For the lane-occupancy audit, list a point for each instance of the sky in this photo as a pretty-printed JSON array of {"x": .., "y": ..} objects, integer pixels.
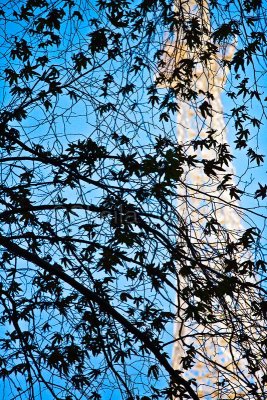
[{"x": 256, "y": 174}]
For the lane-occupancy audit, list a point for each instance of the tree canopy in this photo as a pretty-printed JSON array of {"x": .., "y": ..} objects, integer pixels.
[{"x": 97, "y": 258}]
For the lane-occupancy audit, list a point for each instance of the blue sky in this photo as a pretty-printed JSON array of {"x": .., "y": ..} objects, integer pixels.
[{"x": 84, "y": 126}]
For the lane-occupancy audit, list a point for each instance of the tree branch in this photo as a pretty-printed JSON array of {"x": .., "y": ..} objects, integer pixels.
[{"x": 105, "y": 307}]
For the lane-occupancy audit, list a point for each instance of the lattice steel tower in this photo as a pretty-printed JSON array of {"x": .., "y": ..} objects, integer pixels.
[{"x": 216, "y": 360}]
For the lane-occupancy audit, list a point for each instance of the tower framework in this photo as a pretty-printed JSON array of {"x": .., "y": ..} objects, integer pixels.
[{"x": 219, "y": 367}]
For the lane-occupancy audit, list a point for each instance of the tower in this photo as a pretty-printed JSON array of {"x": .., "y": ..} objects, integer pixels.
[{"x": 219, "y": 367}]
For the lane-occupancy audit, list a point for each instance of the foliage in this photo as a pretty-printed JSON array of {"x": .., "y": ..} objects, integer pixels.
[{"x": 91, "y": 236}]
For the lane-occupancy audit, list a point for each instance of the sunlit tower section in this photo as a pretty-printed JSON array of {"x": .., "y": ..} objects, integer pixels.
[{"x": 204, "y": 197}]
